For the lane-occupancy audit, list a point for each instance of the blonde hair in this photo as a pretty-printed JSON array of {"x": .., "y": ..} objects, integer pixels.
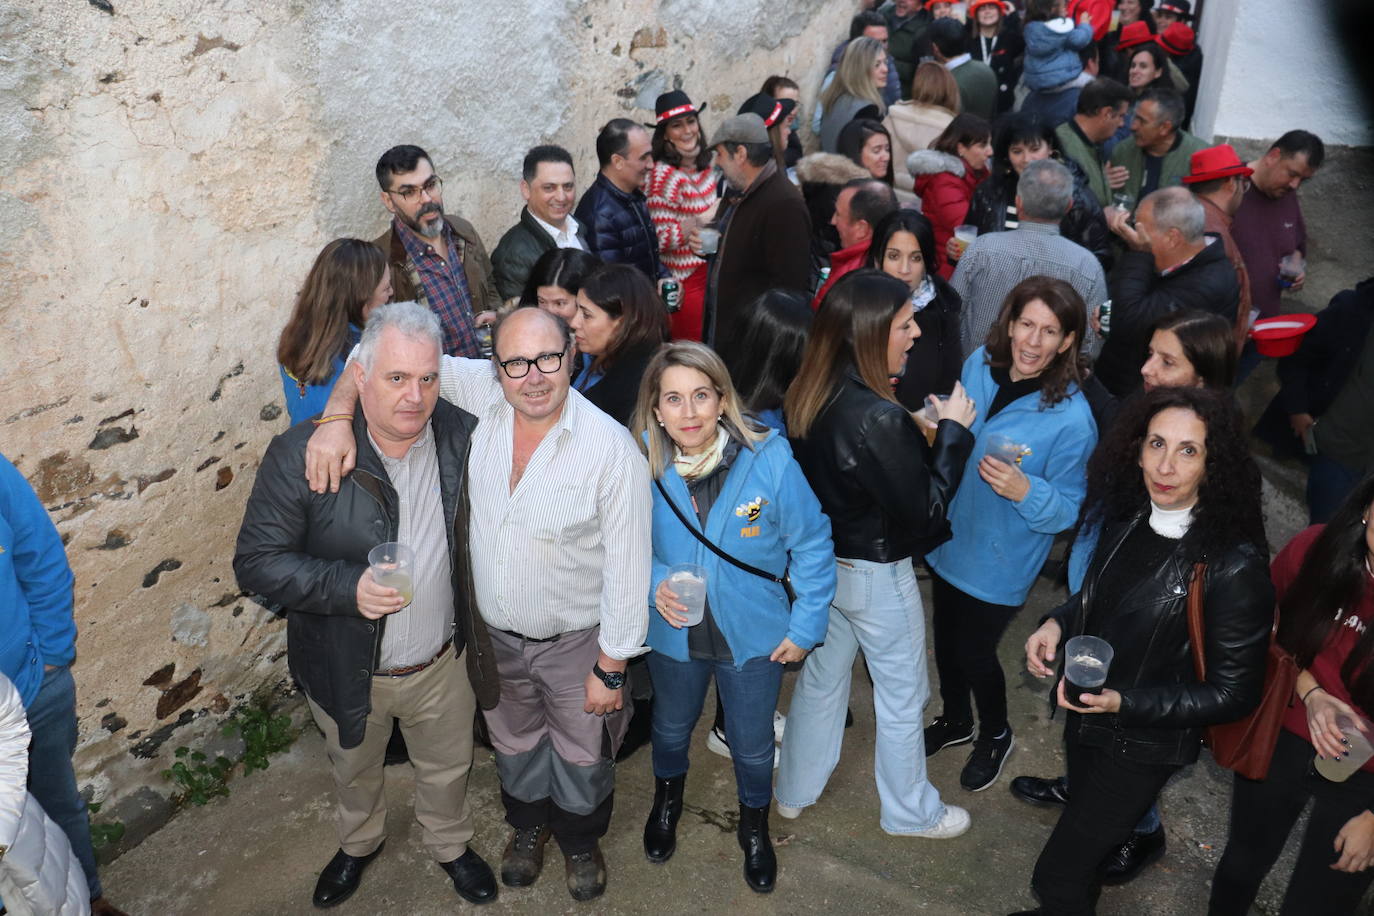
[
  {"x": 854, "y": 77},
  {"x": 652, "y": 439}
]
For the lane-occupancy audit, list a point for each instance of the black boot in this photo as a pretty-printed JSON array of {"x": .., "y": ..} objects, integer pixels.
[
  {"x": 660, "y": 832},
  {"x": 640, "y": 731},
  {"x": 760, "y": 862}
]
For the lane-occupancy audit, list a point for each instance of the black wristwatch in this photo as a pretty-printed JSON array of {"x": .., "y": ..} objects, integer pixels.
[{"x": 612, "y": 679}]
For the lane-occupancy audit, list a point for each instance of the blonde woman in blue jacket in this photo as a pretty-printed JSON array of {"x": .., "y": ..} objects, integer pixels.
[
  {"x": 736, "y": 483},
  {"x": 1005, "y": 516}
]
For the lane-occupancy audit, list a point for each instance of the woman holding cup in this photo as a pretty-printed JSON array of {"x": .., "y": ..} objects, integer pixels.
[
  {"x": 722, "y": 478},
  {"x": 1326, "y": 607},
  {"x": 1173, "y": 485},
  {"x": 1033, "y": 441}
]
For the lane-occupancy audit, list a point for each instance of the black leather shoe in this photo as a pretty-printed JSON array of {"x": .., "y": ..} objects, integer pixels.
[
  {"x": 1132, "y": 857},
  {"x": 1043, "y": 792},
  {"x": 472, "y": 877},
  {"x": 523, "y": 859},
  {"x": 760, "y": 861},
  {"x": 660, "y": 833},
  {"x": 340, "y": 878}
]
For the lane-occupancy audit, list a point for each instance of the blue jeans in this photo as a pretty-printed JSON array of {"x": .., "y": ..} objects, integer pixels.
[
  {"x": 751, "y": 695},
  {"x": 52, "y": 781},
  {"x": 877, "y": 608}
]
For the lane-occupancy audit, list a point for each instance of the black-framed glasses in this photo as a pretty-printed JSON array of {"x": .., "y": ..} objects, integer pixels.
[
  {"x": 519, "y": 367},
  {"x": 411, "y": 193}
]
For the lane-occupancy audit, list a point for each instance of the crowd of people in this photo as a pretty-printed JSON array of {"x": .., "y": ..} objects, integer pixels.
[{"x": 713, "y": 418}]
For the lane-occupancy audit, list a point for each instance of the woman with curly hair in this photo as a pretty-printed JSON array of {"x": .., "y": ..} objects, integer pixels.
[
  {"x": 1325, "y": 581},
  {"x": 1178, "y": 498}
]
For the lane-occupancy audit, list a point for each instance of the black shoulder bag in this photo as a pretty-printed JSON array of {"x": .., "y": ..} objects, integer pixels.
[{"x": 785, "y": 580}]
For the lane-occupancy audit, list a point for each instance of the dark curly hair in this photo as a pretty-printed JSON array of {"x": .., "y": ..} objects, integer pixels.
[{"x": 1228, "y": 506}]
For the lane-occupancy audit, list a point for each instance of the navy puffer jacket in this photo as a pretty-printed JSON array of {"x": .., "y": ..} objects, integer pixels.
[{"x": 618, "y": 227}]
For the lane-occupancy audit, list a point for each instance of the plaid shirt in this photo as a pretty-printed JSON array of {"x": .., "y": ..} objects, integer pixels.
[{"x": 445, "y": 287}]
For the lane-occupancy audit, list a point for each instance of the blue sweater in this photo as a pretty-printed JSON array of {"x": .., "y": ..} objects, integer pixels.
[
  {"x": 998, "y": 545},
  {"x": 766, "y": 516},
  {"x": 307, "y": 402},
  {"x": 1052, "y": 52},
  {"x": 36, "y": 623}
]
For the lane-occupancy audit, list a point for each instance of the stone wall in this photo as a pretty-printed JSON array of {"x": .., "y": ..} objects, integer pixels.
[{"x": 172, "y": 168}]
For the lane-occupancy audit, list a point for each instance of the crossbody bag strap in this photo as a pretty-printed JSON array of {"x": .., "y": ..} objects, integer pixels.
[
  {"x": 696, "y": 533},
  {"x": 1195, "y": 631}
]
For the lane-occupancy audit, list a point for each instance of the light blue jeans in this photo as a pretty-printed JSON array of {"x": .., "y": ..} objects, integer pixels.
[{"x": 877, "y": 608}]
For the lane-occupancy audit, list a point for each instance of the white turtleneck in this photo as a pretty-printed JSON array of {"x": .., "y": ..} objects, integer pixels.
[{"x": 1170, "y": 523}]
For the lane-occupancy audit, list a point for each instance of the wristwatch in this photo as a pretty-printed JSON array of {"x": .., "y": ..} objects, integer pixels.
[{"x": 612, "y": 679}]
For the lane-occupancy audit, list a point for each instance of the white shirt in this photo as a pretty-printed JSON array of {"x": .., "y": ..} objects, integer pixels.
[
  {"x": 570, "y": 547},
  {"x": 565, "y": 237},
  {"x": 957, "y": 61}
]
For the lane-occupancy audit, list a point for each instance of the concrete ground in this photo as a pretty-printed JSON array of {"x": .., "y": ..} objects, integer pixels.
[{"x": 259, "y": 850}]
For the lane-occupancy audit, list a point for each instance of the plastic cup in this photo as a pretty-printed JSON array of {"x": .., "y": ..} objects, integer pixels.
[
  {"x": 965, "y": 234},
  {"x": 928, "y": 412},
  {"x": 1005, "y": 448},
  {"x": 1086, "y": 662},
  {"x": 393, "y": 566},
  {"x": 1290, "y": 268},
  {"x": 1123, "y": 201},
  {"x": 688, "y": 582},
  {"x": 710, "y": 240},
  {"x": 1340, "y": 769}
]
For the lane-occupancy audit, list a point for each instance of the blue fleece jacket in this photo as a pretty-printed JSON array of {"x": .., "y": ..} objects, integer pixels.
[
  {"x": 998, "y": 545},
  {"x": 1052, "y": 52},
  {"x": 36, "y": 623},
  {"x": 766, "y": 516}
]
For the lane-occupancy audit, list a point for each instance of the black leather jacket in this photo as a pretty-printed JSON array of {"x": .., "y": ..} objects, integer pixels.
[
  {"x": 886, "y": 491},
  {"x": 306, "y": 551},
  {"x": 1163, "y": 705}
]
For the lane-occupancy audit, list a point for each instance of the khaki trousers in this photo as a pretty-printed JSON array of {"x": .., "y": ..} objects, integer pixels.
[{"x": 436, "y": 708}]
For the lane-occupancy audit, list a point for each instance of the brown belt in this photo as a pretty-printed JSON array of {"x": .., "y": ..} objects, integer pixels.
[{"x": 413, "y": 669}]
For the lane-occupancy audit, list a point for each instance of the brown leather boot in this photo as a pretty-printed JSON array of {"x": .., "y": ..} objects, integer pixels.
[
  {"x": 523, "y": 859},
  {"x": 586, "y": 874}
]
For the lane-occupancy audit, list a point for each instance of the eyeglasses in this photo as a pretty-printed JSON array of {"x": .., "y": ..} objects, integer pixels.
[
  {"x": 519, "y": 367},
  {"x": 411, "y": 193}
]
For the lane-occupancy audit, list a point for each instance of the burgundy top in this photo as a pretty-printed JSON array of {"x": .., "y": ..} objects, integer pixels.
[{"x": 1266, "y": 229}]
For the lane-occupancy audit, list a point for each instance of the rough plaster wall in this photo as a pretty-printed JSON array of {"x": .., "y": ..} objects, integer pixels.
[
  {"x": 1268, "y": 70},
  {"x": 172, "y": 169}
]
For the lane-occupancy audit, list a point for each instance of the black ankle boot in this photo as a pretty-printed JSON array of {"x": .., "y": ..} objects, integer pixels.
[
  {"x": 760, "y": 862},
  {"x": 660, "y": 832}
]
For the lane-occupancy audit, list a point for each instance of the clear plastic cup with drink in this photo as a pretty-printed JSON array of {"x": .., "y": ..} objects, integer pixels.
[
  {"x": 393, "y": 566},
  {"x": 1005, "y": 448},
  {"x": 965, "y": 235},
  {"x": 710, "y": 239},
  {"x": 1292, "y": 266},
  {"x": 688, "y": 582},
  {"x": 1123, "y": 201},
  {"x": 1359, "y": 750},
  {"x": 1087, "y": 659}
]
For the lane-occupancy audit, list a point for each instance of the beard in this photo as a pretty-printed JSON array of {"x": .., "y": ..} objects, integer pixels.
[{"x": 428, "y": 230}]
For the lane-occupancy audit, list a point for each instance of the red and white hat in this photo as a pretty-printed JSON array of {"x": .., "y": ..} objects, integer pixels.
[{"x": 674, "y": 104}]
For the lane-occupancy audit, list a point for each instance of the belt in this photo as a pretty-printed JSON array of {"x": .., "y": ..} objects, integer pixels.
[
  {"x": 554, "y": 638},
  {"x": 414, "y": 669}
]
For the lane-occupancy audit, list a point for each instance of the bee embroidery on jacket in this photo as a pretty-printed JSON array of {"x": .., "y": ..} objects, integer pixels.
[{"x": 751, "y": 510}]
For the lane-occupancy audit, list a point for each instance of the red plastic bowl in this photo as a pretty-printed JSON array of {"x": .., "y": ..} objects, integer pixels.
[{"x": 1280, "y": 335}]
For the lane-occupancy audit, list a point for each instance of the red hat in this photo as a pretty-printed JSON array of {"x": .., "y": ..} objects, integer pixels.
[
  {"x": 973, "y": 6},
  {"x": 1178, "y": 39},
  {"x": 1135, "y": 33},
  {"x": 1215, "y": 162}
]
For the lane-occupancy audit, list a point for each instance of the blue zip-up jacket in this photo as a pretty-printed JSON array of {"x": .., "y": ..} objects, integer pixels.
[
  {"x": 999, "y": 545},
  {"x": 1052, "y": 52},
  {"x": 766, "y": 516},
  {"x": 36, "y": 623}
]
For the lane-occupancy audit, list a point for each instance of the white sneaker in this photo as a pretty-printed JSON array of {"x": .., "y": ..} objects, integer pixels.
[
  {"x": 787, "y": 811},
  {"x": 954, "y": 822},
  {"x": 779, "y": 723},
  {"x": 716, "y": 744}
]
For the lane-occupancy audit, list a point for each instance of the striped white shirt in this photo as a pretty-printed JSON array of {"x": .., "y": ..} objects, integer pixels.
[{"x": 570, "y": 547}]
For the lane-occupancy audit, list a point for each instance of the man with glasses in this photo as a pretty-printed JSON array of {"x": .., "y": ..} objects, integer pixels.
[
  {"x": 436, "y": 259},
  {"x": 559, "y": 535},
  {"x": 1219, "y": 179}
]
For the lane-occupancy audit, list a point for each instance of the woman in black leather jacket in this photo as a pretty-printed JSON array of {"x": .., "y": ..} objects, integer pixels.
[
  {"x": 1019, "y": 139},
  {"x": 886, "y": 493},
  {"x": 1173, "y": 485}
]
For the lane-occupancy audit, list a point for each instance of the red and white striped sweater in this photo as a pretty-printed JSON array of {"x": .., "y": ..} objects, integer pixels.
[{"x": 673, "y": 194}]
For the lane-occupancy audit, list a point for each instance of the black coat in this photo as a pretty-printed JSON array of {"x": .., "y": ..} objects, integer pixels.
[
  {"x": 886, "y": 491},
  {"x": 306, "y": 552},
  {"x": 617, "y": 227},
  {"x": 522, "y": 245},
  {"x": 1164, "y": 707},
  {"x": 616, "y": 392},
  {"x": 1005, "y": 61},
  {"x": 1084, "y": 224},
  {"x": 933, "y": 363},
  {"x": 1140, "y": 297}
]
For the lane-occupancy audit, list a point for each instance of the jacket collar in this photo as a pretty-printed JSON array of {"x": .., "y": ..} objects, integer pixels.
[{"x": 609, "y": 187}]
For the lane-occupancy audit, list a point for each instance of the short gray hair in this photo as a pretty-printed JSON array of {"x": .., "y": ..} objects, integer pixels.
[
  {"x": 408, "y": 318},
  {"x": 1046, "y": 190},
  {"x": 1177, "y": 208}
]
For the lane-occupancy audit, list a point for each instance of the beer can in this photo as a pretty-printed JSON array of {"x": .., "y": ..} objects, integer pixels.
[
  {"x": 1104, "y": 317},
  {"x": 672, "y": 295}
]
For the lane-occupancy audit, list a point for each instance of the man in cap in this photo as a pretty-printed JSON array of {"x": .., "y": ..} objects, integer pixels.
[
  {"x": 1219, "y": 180},
  {"x": 549, "y": 186},
  {"x": 765, "y": 230}
]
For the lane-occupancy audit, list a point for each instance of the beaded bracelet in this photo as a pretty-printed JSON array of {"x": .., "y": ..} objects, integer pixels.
[{"x": 332, "y": 417}]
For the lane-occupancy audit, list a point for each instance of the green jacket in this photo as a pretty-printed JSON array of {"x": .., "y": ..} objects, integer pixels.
[
  {"x": 1171, "y": 171},
  {"x": 906, "y": 42},
  {"x": 977, "y": 88},
  {"x": 514, "y": 256},
  {"x": 1075, "y": 146}
]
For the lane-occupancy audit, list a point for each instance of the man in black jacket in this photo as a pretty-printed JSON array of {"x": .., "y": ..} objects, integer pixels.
[
  {"x": 549, "y": 186},
  {"x": 361, "y": 651},
  {"x": 1172, "y": 265},
  {"x": 614, "y": 211}
]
